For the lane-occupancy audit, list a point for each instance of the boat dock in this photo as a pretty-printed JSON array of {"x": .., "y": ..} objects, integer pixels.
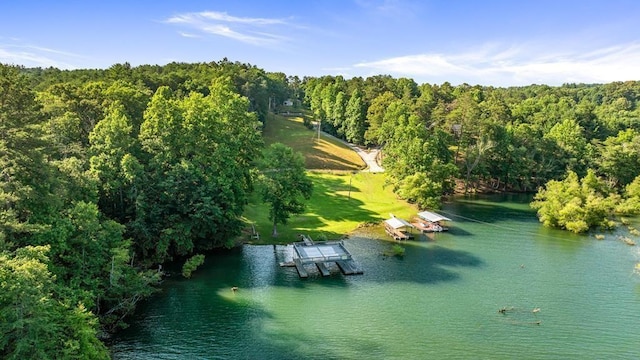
[
  {"x": 430, "y": 222},
  {"x": 398, "y": 229},
  {"x": 320, "y": 254}
]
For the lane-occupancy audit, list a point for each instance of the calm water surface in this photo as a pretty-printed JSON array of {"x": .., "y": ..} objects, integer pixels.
[{"x": 440, "y": 300}]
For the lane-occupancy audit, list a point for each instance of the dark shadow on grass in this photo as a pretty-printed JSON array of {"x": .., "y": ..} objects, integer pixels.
[
  {"x": 334, "y": 206},
  {"x": 330, "y": 162}
]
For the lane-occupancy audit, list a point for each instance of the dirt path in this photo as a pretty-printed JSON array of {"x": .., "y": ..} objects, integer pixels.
[{"x": 369, "y": 156}]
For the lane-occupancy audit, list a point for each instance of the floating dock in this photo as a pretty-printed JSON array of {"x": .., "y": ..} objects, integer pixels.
[{"x": 320, "y": 254}]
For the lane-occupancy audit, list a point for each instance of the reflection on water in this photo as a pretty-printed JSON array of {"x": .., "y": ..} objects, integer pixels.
[{"x": 440, "y": 300}]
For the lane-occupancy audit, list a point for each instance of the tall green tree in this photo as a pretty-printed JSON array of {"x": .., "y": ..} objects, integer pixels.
[
  {"x": 569, "y": 136},
  {"x": 620, "y": 157},
  {"x": 355, "y": 117},
  {"x": 284, "y": 183},
  {"x": 24, "y": 173},
  {"x": 339, "y": 114},
  {"x": 111, "y": 140},
  {"x": 375, "y": 118},
  {"x": 417, "y": 159},
  {"x": 474, "y": 154},
  {"x": 199, "y": 151}
]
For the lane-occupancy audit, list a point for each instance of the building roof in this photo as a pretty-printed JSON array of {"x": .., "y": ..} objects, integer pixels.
[
  {"x": 397, "y": 223},
  {"x": 433, "y": 217}
]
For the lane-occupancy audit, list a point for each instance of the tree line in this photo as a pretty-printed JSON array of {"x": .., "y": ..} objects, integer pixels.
[
  {"x": 104, "y": 174},
  {"x": 437, "y": 137}
]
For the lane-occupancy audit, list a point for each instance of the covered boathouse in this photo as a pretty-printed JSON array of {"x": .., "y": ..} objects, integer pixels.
[
  {"x": 430, "y": 222},
  {"x": 398, "y": 229}
]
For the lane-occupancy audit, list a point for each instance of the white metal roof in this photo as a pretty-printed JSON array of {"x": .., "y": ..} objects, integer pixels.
[
  {"x": 433, "y": 217},
  {"x": 397, "y": 223}
]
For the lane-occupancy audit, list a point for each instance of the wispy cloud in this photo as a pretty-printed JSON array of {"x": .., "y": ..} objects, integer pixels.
[
  {"x": 516, "y": 65},
  {"x": 188, "y": 35},
  {"x": 254, "y": 31},
  {"x": 36, "y": 56}
]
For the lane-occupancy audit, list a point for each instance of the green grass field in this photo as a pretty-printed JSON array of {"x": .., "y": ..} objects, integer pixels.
[
  {"x": 343, "y": 198},
  {"x": 326, "y": 154}
]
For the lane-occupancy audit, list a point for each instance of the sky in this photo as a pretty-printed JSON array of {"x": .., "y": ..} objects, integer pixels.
[{"x": 485, "y": 42}]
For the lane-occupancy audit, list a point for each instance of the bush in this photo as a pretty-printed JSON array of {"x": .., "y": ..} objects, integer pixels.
[
  {"x": 396, "y": 250},
  {"x": 191, "y": 265},
  {"x": 576, "y": 204}
]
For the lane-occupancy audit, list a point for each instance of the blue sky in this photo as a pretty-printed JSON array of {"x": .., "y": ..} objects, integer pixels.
[{"x": 490, "y": 42}]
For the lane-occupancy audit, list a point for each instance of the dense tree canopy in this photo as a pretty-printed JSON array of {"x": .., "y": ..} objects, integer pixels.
[{"x": 106, "y": 173}]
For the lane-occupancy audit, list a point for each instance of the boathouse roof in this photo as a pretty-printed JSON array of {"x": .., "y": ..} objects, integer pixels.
[
  {"x": 433, "y": 217},
  {"x": 397, "y": 223}
]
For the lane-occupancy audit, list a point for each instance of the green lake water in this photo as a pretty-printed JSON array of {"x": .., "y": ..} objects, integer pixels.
[{"x": 439, "y": 301}]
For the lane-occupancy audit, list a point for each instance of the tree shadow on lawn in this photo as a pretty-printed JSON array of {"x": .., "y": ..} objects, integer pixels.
[
  {"x": 323, "y": 160},
  {"x": 328, "y": 204}
]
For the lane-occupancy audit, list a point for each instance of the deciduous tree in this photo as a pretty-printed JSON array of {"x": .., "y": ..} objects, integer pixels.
[{"x": 284, "y": 183}]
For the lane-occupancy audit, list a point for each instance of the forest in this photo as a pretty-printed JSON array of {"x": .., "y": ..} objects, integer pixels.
[{"x": 105, "y": 174}]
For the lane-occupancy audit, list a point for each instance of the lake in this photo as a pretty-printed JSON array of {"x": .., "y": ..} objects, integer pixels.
[{"x": 563, "y": 296}]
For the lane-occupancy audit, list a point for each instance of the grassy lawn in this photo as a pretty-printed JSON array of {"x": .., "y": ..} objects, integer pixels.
[
  {"x": 326, "y": 154},
  {"x": 333, "y": 211},
  {"x": 343, "y": 198}
]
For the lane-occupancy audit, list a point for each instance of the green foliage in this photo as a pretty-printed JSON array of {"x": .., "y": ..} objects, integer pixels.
[
  {"x": 396, "y": 250},
  {"x": 620, "y": 157},
  {"x": 23, "y": 193},
  {"x": 417, "y": 160},
  {"x": 354, "y": 121},
  {"x": 197, "y": 177},
  {"x": 631, "y": 203},
  {"x": 569, "y": 136},
  {"x": 576, "y": 205},
  {"x": 87, "y": 159},
  {"x": 284, "y": 183},
  {"x": 34, "y": 323},
  {"x": 191, "y": 265}
]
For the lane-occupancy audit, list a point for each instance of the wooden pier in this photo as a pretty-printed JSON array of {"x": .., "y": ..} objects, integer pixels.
[{"x": 320, "y": 254}]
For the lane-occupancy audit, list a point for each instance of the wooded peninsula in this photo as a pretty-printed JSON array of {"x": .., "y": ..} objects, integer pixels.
[{"x": 105, "y": 174}]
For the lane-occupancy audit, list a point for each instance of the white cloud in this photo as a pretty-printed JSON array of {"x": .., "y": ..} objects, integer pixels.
[
  {"x": 189, "y": 35},
  {"x": 244, "y": 29},
  {"x": 36, "y": 56},
  {"x": 222, "y": 16},
  {"x": 516, "y": 65}
]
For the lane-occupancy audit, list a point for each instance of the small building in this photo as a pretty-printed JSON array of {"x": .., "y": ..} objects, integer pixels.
[
  {"x": 288, "y": 102},
  {"x": 398, "y": 229}
]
